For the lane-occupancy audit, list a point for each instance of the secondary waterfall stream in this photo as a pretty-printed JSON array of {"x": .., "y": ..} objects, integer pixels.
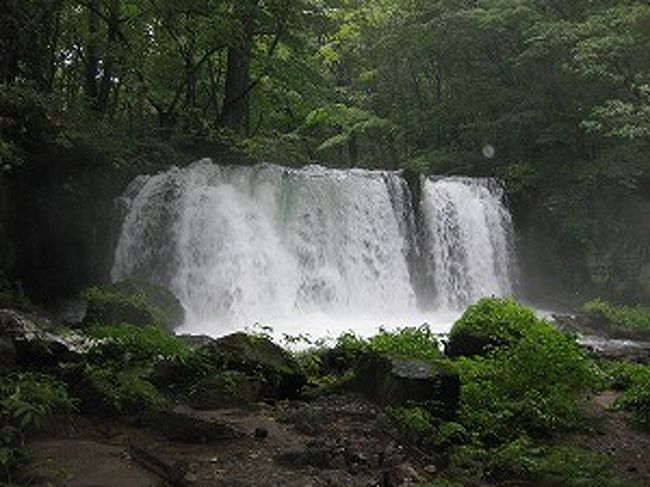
[{"x": 314, "y": 250}]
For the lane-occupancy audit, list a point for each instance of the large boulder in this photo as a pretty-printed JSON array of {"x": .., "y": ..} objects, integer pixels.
[
  {"x": 34, "y": 342},
  {"x": 134, "y": 302},
  {"x": 259, "y": 358},
  {"x": 406, "y": 382}
]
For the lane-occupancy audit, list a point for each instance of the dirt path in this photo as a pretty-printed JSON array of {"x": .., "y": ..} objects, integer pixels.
[
  {"x": 627, "y": 448},
  {"x": 335, "y": 441}
]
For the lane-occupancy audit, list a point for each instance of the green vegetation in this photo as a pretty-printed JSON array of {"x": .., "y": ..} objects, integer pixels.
[
  {"x": 519, "y": 399},
  {"x": 125, "y": 391},
  {"x": 490, "y": 323},
  {"x": 618, "y": 318},
  {"x": 412, "y": 342},
  {"x": 137, "y": 345},
  {"x": 27, "y": 402},
  {"x": 634, "y": 379},
  {"x": 93, "y": 93},
  {"x": 135, "y": 302}
]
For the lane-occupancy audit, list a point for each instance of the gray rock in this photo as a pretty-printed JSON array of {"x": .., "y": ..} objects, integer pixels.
[
  {"x": 35, "y": 341},
  {"x": 399, "y": 382}
]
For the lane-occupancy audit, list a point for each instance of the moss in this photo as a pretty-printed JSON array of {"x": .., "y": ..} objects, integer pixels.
[
  {"x": 490, "y": 323},
  {"x": 134, "y": 302},
  {"x": 635, "y": 320},
  {"x": 258, "y": 357}
]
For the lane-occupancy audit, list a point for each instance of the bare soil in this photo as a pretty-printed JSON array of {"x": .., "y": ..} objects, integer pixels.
[{"x": 334, "y": 441}]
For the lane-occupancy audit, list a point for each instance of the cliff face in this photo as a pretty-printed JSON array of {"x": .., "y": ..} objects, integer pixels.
[
  {"x": 7, "y": 250},
  {"x": 614, "y": 264},
  {"x": 619, "y": 262}
]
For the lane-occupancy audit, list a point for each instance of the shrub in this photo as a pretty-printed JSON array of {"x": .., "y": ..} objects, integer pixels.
[
  {"x": 127, "y": 391},
  {"x": 491, "y": 322},
  {"x": 625, "y": 318},
  {"x": 27, "y": 401},
  {"x": 636, "y": 397},
  {"x": 564, "y": 465},
  {"x": 415, "y": 424},
  {"x": 137, "y": 345},
  {"x": 528, "y": 387},
  {"x": 410, "y": 342}
]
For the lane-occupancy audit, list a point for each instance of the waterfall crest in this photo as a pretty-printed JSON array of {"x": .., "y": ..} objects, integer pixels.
[{"x": 268, "y": 244}]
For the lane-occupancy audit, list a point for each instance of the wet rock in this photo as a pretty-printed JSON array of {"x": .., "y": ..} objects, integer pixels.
[
  {"x": 29, "y": 342},
  {"x": 184, "y": 425},
  {"x": 468, "y": 343},
  {"x": 398, "y": 382},
  {"x": 167, "y": 373},
  {"x": 226, "y": 389},
  {"x": 134, "y": 302},
  {"x": 280, "y": 375}
]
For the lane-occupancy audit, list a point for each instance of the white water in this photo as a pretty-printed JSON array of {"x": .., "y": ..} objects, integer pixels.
[
  {"x": 469, "y": 240},
  {"x": 313, "y": 251}
]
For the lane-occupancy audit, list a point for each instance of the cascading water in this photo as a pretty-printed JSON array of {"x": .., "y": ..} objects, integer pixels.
[
  {"x": 468, "y": 240},
  {"x": 311, "y": 250}
]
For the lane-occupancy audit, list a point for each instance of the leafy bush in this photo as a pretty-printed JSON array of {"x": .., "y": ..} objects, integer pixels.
[
  {"x": 528, "y": 381},
  {"x": 636, "y": 397},
  {"x": 410, "y": 342},
  {"x": 127, "y": 391},
  {"x": 528, "y": 388},
  {"x": 564, "y": 465},
  {"x": 27, "y": 401},
  {"x": 491, "y": 322},
  {"x": 415, "y": 424},
  {"x": 137, "y": 345},
  {"x": 626, "y": 318}
]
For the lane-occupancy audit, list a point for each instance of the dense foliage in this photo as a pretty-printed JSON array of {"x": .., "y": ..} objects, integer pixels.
[
  {"x": 553, "y": 97},
  {"x": 27, "y": 401},
  {"x": 519, "y": 399}
]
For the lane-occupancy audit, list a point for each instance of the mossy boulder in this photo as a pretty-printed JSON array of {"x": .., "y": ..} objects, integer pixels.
[
  {"x": 135, "y": 302},
  {"x": 225, "y": 389},
  {"x": 490, "y": 323},
  {"x": 389, "y": 381},
  {"x": 280, "y": 374}
]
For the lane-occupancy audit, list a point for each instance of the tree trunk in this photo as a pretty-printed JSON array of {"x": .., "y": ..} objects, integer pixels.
[
  {"x": 92, "y": 58},
  {"x": 106, "y": 82},
  {"x": 235, "y": 111}
]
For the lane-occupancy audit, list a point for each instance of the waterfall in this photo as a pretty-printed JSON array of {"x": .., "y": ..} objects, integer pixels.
[
  {"x": 468, "y": 242},
  {"x": 309, "y": 247}
]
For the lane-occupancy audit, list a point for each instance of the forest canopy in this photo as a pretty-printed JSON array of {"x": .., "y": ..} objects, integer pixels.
[{"x": 551, "y": 96}]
